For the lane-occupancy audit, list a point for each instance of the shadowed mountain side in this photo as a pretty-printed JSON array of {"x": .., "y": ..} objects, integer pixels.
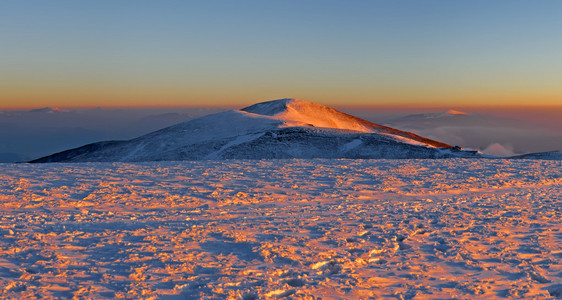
[{"x": 293, "y": 142}]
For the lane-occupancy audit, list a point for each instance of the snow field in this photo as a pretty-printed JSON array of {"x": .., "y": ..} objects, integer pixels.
[{"x": 330, "y": 229}]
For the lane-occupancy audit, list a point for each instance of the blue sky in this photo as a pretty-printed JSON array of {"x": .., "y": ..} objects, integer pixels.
[{"x": 181, "y": 53}]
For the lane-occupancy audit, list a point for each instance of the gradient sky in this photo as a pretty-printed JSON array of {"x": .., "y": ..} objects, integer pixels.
[{"x": 181, "y": 53}]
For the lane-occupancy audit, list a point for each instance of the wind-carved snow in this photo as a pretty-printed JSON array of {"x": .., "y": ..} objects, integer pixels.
[{"x": 253, "y": 229}]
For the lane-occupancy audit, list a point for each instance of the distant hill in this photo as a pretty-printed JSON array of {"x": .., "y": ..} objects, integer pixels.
[{"x": 489, "y": 133}]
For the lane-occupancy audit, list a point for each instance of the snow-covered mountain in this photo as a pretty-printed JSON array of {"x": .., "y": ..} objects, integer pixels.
[{"x": 285, "y": 128}]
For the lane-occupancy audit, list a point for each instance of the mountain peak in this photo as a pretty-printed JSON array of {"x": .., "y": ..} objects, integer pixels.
[
  {"x": 296, "y": 112},
  {"x": 42, "y": 110},
  {"x": 273, "y": 107},
  {"x": 455, "y": 112},
  {"x": 47, "y": 109}
]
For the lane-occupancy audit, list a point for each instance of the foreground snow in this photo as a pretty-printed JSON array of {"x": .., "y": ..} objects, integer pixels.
[{"x": 275, "y": 228}]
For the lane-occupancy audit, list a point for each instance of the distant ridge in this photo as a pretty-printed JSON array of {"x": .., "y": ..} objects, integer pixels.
[
  {"x": 284, "y": 128},
  {"x": 550, "y": 155}
]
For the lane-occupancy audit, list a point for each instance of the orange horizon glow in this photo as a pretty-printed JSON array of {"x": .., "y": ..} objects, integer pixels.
[
  {"x": 150, "y": 101},
  {"x": 416, "y": 106}
]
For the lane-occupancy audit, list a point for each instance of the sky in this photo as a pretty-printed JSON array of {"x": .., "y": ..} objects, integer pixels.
[{"x": 214, "y": 53}]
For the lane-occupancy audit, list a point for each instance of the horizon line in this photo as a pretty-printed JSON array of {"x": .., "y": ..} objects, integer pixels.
[{"x": 400, "y": 106}]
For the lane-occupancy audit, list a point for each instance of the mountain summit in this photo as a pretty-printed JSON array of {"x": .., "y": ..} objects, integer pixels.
[
  {"x": 285, "y": 128},
  {"x": 295, "y": 112}
]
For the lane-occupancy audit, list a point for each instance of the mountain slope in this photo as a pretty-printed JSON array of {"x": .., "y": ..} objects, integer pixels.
[{"x": 286, "y": 128}]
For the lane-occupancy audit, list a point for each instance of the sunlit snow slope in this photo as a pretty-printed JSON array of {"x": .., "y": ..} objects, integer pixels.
[{"x": 286, "y": 128}]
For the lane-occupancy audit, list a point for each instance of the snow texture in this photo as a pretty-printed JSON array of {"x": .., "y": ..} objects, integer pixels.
[{"x": 261, "y": 229}]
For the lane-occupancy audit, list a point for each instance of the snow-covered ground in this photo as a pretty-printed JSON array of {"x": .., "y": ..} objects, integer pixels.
[{"x": 274, "y": 228}]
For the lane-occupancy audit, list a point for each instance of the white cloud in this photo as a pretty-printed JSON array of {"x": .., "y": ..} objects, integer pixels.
[{"x": 499, "y": 150}]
